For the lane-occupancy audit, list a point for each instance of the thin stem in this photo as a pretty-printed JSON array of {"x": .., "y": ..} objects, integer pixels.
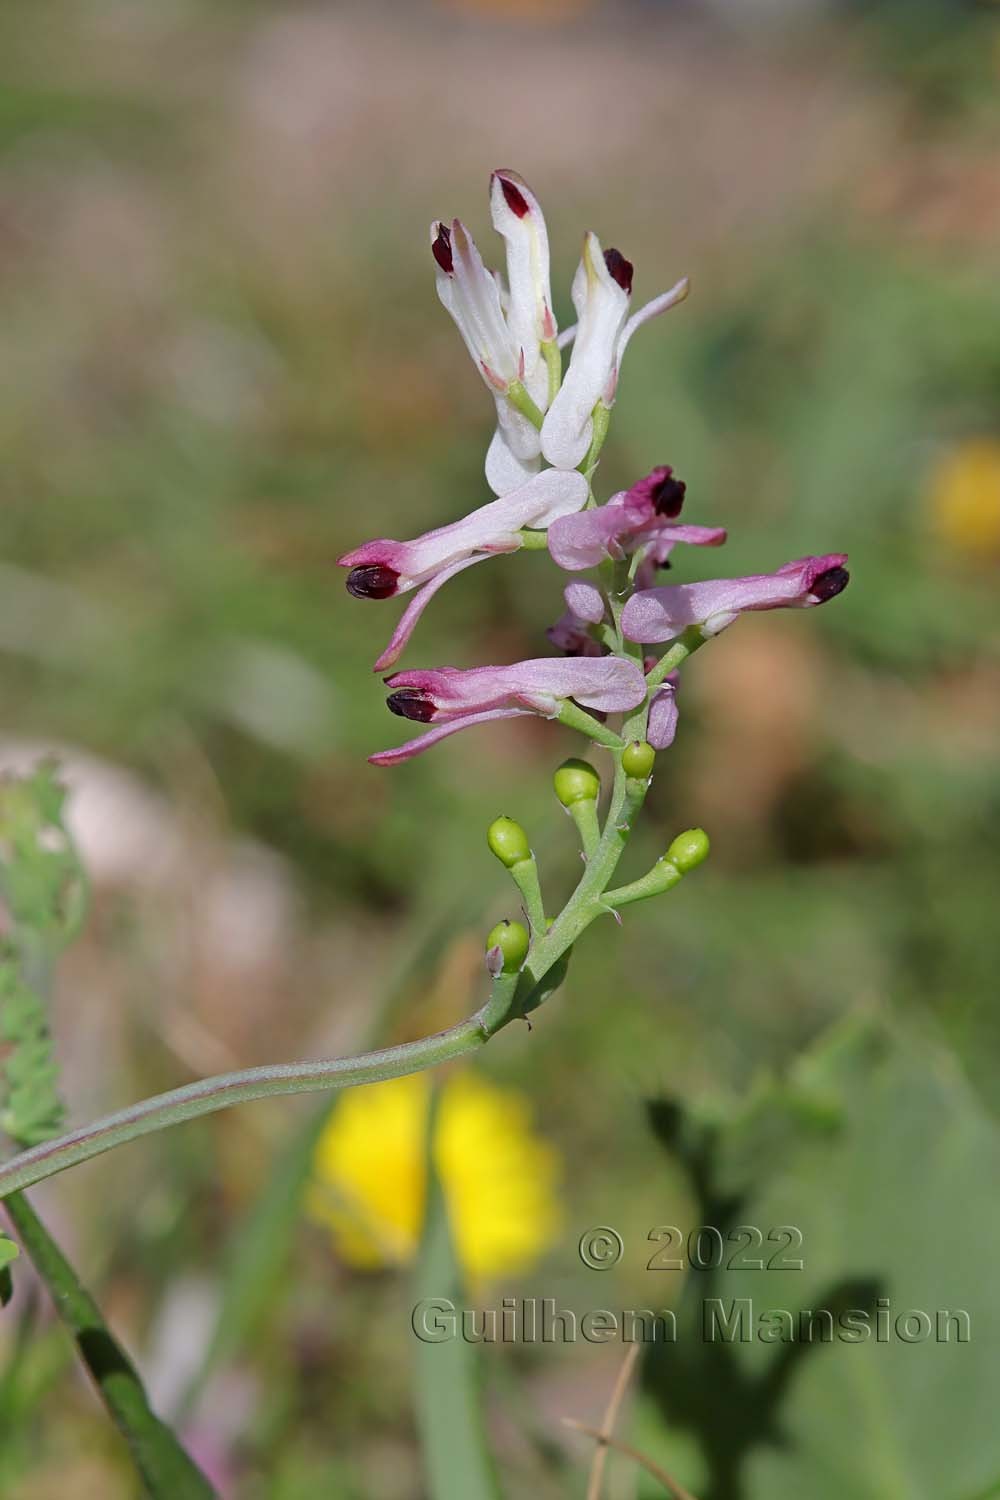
[
  {"x": 575, "y": 717},
  {"x": 167, "y": 1471},
  {"x": 499, "y": 1007},
  {"x": 519, "y": 398},
  {"x": 211, "y": 1094},
  {"x": 553, "y": 361},
  {"x": 682, "y": 648},
  {"x": 608, "y": 1423},
  {"x": 533, "y": 539},
  {"x": 525, "y": 876},
  {"x": 601, "y": 420},
  {"x": 667, "y": 1480},
  {"x": 584, "y": 815}
]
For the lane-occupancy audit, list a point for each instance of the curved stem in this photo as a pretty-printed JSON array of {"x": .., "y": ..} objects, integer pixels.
[{"x": 210, "y": 1094}]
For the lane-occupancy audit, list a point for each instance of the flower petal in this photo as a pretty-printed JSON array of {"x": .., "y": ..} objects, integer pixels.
[
  {"x": 471, "y": 295},
  {"x": 586, "y": 601},
  {"x": 505, "y": 471},
  {"x": 441, "y": 732},
  {"x": 411, "y": 614},
  {"x": 602, "y": 303},
  {"x": 518, "y": 217},
  {"x": 651, "y": 309},
  {"x": 582, "y": 541},
  {"x": 662, "y": 724},
  {"x": 661, "y": 614},
  {"x": 611, "y": 684},
  {"x": 494, "y": 527}
]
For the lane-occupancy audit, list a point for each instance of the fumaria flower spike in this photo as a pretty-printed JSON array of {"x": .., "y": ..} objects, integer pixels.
[
  {"x": 609, "y": 673},
  {"x": 452, "y": 699},
  {"x": 662, "y": 614},
  {"x": 384, "y": 568},
  {"x": 602, "y": 294}
]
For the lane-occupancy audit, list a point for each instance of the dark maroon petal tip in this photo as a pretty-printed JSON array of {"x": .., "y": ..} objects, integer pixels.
[
  {"x": 829, "y": 584},
  {"x": 516, "y": 201},
  {"x": 372, "y": 582},
  {"x": 441, "y": 249},
  {"x": 619, "y": 268},
  {"x": 411, "y": 703},
  {"x": 668, "y": 496}
]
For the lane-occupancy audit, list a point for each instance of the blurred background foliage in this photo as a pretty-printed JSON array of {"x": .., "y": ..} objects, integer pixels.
[{"x": 224, "y": 365}]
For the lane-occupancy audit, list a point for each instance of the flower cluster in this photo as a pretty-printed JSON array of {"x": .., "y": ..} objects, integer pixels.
[{"x": 551, "y": 425}]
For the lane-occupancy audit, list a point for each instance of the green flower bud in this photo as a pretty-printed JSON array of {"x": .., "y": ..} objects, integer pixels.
[
  {"x": 688, "y": 849},
  {"x": 576, "y": 781},
  {"x": 508, "y": 841},
  {"x": 638, "y": 759},
  {"x": 513, "y": 941}
]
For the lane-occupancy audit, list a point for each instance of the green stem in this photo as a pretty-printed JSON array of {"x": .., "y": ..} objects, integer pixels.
[
  {"x": 518, "y": 397},
  {"x": 601, "y": 419},
  {"x": 525, "y": 876},
  {"x": 682, "y": 648},
  {"x": 553, "y": 360},
  {"x": 211, "y": 1094},
  {"x": 584, "y": 815},
  {"x": 167, "y": 1471},
  {"x": 575, "y": 717}
]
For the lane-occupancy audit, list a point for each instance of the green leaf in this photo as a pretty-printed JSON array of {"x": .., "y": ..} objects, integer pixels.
[
  {"x": 892, "y": 1184},
  {"x": 906, "y": 1194},
  {"x": 448, "y": 1375},
  {"x": 166, "y": 1470},
  {"x": 8, "y": 1252}
]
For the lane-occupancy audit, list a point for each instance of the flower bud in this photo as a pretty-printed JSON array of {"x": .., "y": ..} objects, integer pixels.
[
  {"x": 576, "y": 781},
  {"x": 638, "y": 759},
  {"x": 688, "y": 849},
  {"x": 512, "y": 940},
  {"x": 508, "y": 841}
]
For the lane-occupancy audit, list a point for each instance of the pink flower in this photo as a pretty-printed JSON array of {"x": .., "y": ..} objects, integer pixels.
[
  {"x": 384, "y": 568},
  {"x": 452, "y": 699},
  {"x": 662, "y": 723},
  {"x": 602, "y": 294},
  {"x": 661, "y": 614},
  {"x": 584, "y": 607},
  {"x": 639, "y": 515}
]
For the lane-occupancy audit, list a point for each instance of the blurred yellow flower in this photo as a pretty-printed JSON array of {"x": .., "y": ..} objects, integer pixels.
[
  {"x": 499, "y": 1177},
  {"x": 965, "y": 497}
]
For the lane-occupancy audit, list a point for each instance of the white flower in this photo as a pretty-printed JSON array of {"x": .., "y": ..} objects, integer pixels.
[
  {"x": 503, "y": 326},
  {"x": 602, "y": 293},
  {"x": 510, "y": 331}
]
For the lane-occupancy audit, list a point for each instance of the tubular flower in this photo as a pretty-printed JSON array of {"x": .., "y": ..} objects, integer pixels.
[
  {"x": 635, "y": 516},
  {"x": 518, "y": 218},
  {"x": 384, "y": 568},
  {"x": 662, "y": 725},
  {"x": 661, "y": 614},
  {"x": 503, "y": 326},
  {"x": 602, "y": 293},
  {"x": 571, "y": 633},
  {"x": 452, "y": 699}
]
